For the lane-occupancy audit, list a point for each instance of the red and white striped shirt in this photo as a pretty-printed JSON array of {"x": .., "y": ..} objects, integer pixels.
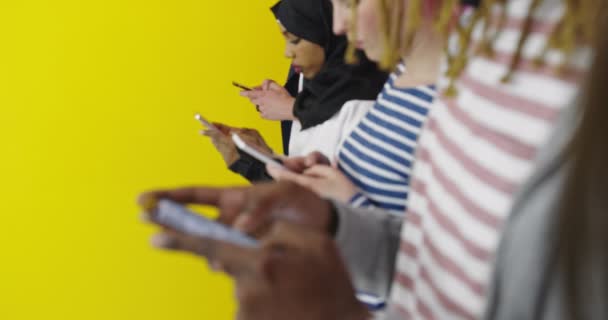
[{"x": 475, "y": 152}]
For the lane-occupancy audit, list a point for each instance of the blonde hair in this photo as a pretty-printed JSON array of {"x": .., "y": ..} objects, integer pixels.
[
  {"x": 396, "y": 37},
  {"x": 351, "y": 57},
  {"x": 581, "y": 218},
  {"x": 399, "y": 25},
  {"x": 576, "y": 27}
]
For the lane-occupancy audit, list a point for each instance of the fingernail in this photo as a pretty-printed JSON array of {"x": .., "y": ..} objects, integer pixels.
[
  {"x": 149, "y": 204},
  {"x": 161, "y": 240},
  {"x": 216, "y": 266},
  {"x": 145, "y": 217},
  {"x": 241, "y": 223},
  {"x": 271, "y": 170}
]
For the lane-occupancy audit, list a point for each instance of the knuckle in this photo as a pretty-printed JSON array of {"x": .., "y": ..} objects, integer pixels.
[{"x": 246, "y": 295}]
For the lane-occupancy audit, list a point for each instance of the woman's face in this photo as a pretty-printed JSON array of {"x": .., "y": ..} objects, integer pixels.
[
  {"x": 306, "y": 57},
  {"x": 368, "y": 27}
]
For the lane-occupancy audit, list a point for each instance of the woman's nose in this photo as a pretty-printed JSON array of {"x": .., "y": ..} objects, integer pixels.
[
  {"x": 289, "y": 53},
  {"x": 340, "y": 25}
]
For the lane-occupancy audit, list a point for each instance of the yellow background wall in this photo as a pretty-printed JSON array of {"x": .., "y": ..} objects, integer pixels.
[{"x": 96, "y": 104}]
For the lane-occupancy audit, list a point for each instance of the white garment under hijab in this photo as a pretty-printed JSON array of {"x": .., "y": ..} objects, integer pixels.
[{"x": 328, "y": 136}]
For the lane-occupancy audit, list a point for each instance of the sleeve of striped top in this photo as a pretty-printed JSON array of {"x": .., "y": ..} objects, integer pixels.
[{"x": 368, "y": 241}]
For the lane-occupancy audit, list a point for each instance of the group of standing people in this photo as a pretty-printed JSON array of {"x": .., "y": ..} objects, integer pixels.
[{"x": 474, "y": 186}]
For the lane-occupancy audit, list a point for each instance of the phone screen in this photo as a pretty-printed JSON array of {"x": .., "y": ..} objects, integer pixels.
[{"x": 180, "y": 218}]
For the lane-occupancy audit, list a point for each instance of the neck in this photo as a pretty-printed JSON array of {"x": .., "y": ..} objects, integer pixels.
[{"x": 423, "y": 61}]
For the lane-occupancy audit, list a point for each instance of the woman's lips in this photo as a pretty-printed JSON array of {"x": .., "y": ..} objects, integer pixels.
[{"x": 297, "y": 69}]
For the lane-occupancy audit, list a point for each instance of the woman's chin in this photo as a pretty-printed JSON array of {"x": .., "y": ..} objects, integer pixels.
[
  {"x": 372, "y": 55},
  {"x": 308, "y": 75}
]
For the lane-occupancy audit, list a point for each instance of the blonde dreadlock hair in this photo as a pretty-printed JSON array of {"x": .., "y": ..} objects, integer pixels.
[
  {"x": 395, "y": 36},
  {"x": 577, "y": 26},
  {"x": 401, "y": 21}
]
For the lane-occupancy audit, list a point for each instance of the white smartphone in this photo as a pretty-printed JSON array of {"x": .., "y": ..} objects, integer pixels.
[
  {"x": 205, "y": 123},
  {"x": 180, "y": 218},
  {"x": 243, "y": 146}
]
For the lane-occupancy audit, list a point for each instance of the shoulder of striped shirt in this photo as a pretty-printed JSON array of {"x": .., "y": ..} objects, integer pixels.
[{"x": 406, "y": 93}]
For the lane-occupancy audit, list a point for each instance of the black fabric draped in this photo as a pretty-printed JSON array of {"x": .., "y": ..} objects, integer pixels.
[{"x": 337, "y": 82}]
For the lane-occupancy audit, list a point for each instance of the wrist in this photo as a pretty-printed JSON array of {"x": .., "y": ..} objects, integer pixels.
[
  {"x": 231, "y": 158},
  {"x": 348, "y": 193},
  {"x": 288, "y": 116},
  {"x": 292, "y": 103}
]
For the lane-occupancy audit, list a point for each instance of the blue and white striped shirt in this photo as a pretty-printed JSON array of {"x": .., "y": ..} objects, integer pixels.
[{"x": 378, "y": 154}]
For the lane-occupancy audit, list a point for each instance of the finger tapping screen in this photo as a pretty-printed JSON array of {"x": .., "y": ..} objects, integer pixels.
[{"x": 96, "y": 101}]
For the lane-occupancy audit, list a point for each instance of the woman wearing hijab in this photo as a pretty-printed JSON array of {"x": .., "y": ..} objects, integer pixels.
[
  {"x": 330, "y": 100},
  {"x": 374, "y": 164}
]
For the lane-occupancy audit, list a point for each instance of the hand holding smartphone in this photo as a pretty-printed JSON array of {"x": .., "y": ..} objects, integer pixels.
[
  {"x": 243, "y": 146},
  {"x": 240, "y": 86},
  {"x": 205, "y": 123}
]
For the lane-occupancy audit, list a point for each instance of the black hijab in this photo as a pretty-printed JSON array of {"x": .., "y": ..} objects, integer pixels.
[{"x": 337, "y": 82}]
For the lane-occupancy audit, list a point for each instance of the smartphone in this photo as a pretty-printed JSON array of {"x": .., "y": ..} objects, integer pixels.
[
  {"x": 243, "y": 146},
  {"x": 205, "y": 123},
  {"x": 180, "y": 218},
  {"x": 238, "y": 85}
]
